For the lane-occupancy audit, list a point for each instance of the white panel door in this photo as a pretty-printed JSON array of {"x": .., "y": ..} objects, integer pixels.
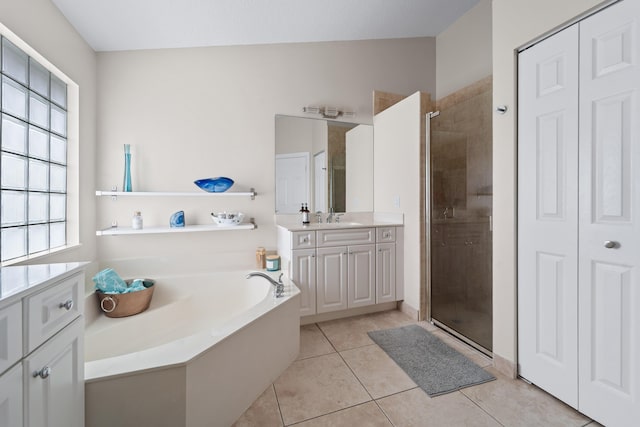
[
  {"x": 609, "y": 292},
  {"x": 332, "y": 279},
  {"x": 54, "y": 380},
  {"x": 361, "y": 288},
  {"x": 303, "y": 262},
  {"x": 547, "y": 214},
  {"x": 385, "y": 272},
  {"x": 292, "y": 182}
]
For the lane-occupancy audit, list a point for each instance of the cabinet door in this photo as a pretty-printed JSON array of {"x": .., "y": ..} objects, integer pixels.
[
  {"x": 304, "y": 276},
  {"x": 361, "y": 285},
  {"x": 385, "y": 272},
  {"x": 332, "y": 279},
  {"x": 54, "y": 380},
  {"x": 11, "y": 397}
]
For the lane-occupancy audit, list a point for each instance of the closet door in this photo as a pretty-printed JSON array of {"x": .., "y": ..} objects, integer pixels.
[
  {"x": 547, "y": 215},
  {"x": 609, "y": 290}
]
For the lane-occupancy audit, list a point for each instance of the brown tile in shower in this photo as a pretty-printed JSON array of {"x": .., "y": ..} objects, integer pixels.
[
  {"x": 317, "y": 386},
  {"x": 313, "y": 342},
  {"x": 368, "y": 414},
  {"x": 516, "y": 403}
]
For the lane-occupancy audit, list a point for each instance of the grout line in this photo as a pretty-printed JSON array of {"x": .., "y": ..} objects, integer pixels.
[
  {"x": 478, "y": 405},
  {"x": 278, "y": 403}
]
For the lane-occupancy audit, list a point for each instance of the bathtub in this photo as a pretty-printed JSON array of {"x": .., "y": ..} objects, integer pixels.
[{"x": 206, "y": 348}]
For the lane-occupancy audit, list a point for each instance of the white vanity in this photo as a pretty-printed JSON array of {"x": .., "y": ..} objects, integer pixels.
[
  {"x": 343, "y": 268},
  {"x": 41, "y": 345}
]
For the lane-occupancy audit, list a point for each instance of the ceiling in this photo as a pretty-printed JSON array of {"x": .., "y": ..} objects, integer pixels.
[{"x": 109, "y": 25}]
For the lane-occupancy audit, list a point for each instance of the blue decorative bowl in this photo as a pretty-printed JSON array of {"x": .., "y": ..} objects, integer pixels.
[{"x": 219, "y": 184}]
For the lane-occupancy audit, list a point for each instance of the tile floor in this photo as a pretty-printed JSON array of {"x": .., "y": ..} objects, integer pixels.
[{"x": 341, "y": 378}]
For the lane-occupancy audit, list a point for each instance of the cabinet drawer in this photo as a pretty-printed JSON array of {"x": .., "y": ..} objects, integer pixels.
[
  {"x": 352, "y": 236},
  {"x": 10, "y": 335},
  {"x": 52, "y": 309},
  {"x": 303, "y": 239},
  {"x": 385, "y": 234}
]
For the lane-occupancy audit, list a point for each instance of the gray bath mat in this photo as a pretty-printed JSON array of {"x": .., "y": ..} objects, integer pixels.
[{"x": 433, "y": 365}]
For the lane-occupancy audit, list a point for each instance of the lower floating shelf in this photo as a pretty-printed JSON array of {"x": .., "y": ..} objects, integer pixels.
[{"x": 119, "y": 231}]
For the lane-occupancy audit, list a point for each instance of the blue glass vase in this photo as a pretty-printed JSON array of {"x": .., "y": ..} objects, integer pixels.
[{"x": 126, "y": 185}]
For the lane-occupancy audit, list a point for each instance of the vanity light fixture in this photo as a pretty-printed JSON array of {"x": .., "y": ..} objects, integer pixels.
[{"x": 328, "y": 112}]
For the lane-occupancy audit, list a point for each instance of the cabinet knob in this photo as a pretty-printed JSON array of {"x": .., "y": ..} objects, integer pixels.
[
  {"x": 610, "y": 244},
  {"x": 67, "y": 305},
  {"x": 42, "y": 373}
]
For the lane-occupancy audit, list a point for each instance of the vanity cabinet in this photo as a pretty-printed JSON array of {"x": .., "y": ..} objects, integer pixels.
[
  {"x": 303, "y": 273},
  {"x": 42, "y": 375},
  {"x": 340, "y": 269}
]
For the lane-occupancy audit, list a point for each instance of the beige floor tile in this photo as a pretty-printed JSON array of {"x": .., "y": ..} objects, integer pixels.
[
  {"x": 416, "y": 408},
  {"x": 516, "y": 403},
  {"x": 317, "y": 386},
  {"x": 472, "y": 354},
  {"x": 379, "y": 374},
  {"x": 368, "y": 414},
  {"x": 351, "y": 332},
  {"x": 313, "y": 342},
  {"x": 263, "y": 412}
]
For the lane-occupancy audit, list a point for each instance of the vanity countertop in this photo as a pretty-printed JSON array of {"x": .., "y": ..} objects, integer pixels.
[
  {"x": 338, "y": 225},
  {"x": 17, "y": 282}
]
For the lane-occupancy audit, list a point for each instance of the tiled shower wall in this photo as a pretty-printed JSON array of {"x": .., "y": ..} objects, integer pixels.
[{"x": 461, "y": 138}]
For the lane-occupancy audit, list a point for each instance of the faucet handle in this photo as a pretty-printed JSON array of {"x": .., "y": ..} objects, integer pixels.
[{"x": 337, "y": 216}]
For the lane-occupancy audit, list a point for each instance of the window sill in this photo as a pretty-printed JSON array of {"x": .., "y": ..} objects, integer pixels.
[{"x": 37, "y": 255}]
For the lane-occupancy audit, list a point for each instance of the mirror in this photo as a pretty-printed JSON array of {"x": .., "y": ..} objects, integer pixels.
[{"x": 324, "y": 163}]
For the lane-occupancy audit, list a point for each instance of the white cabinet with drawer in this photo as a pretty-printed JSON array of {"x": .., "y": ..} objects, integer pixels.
[
  {"x": 342, "y": 268},
  {"x": 41, "y": 328}
]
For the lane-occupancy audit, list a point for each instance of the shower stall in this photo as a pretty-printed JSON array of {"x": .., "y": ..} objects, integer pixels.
[{"x": 460, "y": 215}]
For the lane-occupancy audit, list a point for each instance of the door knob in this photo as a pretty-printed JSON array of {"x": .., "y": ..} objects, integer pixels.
[
  {"x": 42, "y": 373},
  {"x": 67, "y": 305},
  {"x": 610, "y": 244}
]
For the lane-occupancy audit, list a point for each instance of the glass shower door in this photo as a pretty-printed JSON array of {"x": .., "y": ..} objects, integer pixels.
[{"x": 460, "y": 209}]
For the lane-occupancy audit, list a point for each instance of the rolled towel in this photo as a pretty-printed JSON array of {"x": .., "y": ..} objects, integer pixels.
[
  {"x": 109, "y": 282},
  {"x": 136, "y": 285}
]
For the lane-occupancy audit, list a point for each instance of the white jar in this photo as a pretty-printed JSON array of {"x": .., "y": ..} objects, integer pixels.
[{"x": 136, "y": 222}]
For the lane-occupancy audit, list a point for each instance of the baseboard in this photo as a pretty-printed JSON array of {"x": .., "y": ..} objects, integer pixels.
[
  {"x": 408, "y": 310},
  {"x": 333, "y": 315},
  {"x": 505, "y": 367}
]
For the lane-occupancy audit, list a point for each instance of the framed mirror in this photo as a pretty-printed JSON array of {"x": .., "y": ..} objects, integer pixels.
[{"x": 326, "y": 164}]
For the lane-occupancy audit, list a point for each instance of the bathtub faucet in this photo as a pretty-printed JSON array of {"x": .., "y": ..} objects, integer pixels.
[{"x": 278, "y": 292}]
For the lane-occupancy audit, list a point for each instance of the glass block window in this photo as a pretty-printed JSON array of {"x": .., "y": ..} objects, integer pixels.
[{"x": 33, "y": 167}]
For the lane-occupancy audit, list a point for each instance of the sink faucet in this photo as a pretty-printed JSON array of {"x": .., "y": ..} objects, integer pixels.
[
  {"x": 278, "y": 292},
  {"x": 330, "y": 216}
]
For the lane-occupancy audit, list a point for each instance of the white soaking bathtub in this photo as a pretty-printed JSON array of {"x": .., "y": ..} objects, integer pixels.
[{"x": 205, "y": 349}]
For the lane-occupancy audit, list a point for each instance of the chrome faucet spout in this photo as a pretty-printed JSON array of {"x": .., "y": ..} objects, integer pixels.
[{"x": 278, "y": 292}]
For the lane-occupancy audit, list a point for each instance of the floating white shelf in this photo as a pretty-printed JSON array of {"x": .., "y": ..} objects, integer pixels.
[
  {"x": 119, "y": 231},
  {"x": 251, "y": 194}
]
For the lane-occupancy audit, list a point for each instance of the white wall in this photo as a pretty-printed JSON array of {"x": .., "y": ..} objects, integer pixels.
[
  {"x": 515, "y": 23},
  {"x": 463, "y": 51},
  {"x": 41, "y": 26},
  {"x": 396, "y": 157},
  {"x": 194, "y": 113}
]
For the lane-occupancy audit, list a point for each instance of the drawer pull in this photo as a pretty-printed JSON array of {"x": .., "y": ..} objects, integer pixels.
[
  {"x": 42, "y": 373},
  {"x": 68, "y": 304}
]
